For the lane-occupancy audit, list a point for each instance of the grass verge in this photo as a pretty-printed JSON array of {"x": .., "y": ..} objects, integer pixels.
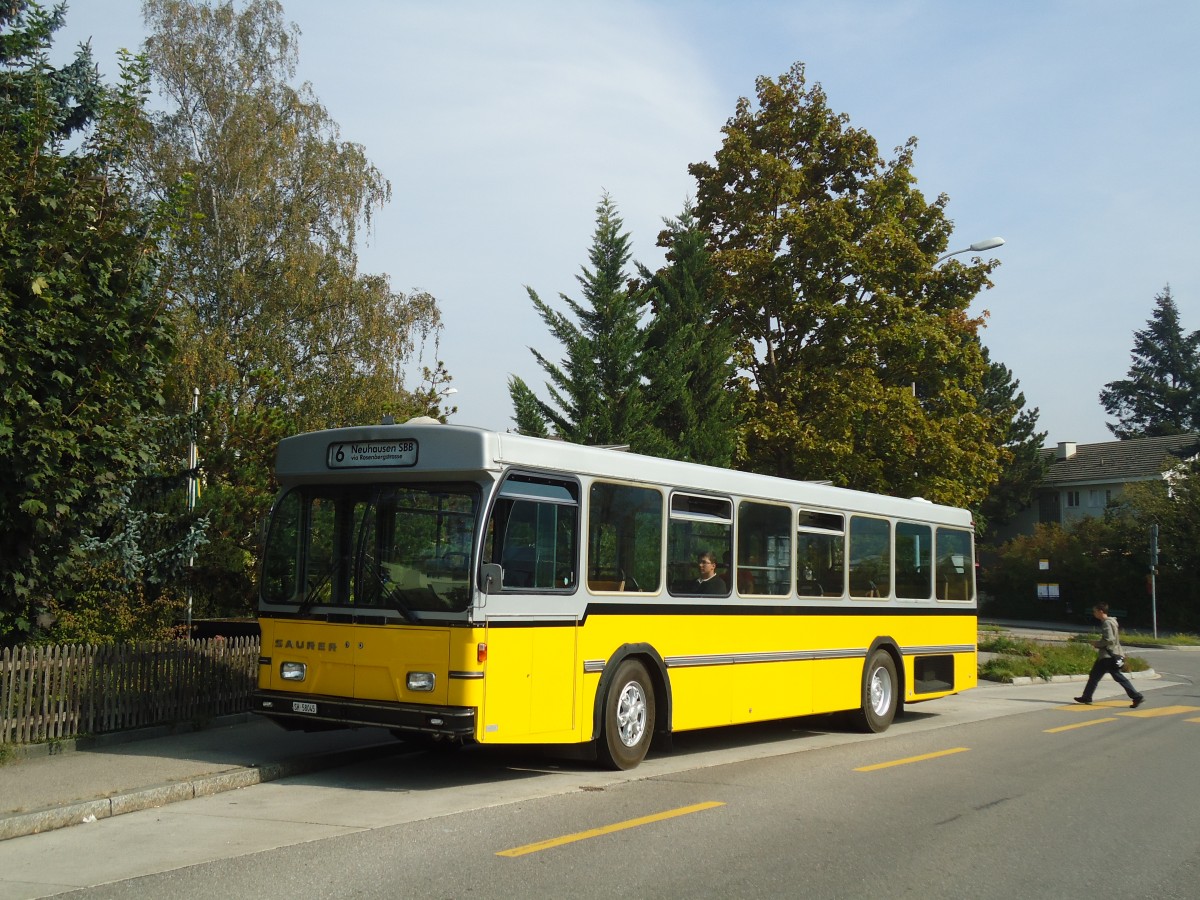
[
  {"x": 1141, "y": 639},
  {"x": 1017, "y": 658}
]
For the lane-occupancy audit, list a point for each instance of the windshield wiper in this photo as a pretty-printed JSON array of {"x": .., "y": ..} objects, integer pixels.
[
  {"x": 310, "y": 596},
  {"x": 392, "y": 598}
]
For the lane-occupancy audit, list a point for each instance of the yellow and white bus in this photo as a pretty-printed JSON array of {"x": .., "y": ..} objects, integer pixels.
[{"x": 457, "y": 584}]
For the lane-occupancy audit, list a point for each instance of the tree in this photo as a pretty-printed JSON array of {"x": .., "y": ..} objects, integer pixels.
[
  {"x": 1093, "y": 559},
  {"x": 687, "y": 358},
  {"x": 1173, "y": 504},
  {"x": 84, "y": 340},
  {"x": 528, "y": 415},
  {"x": 283, "y": 333},
  {"x": 1023, "y": 463},
  {"x": 596, "y": 391},
  {"x": 860, "y": 360},
  {"x": 1161, "y": 394}
]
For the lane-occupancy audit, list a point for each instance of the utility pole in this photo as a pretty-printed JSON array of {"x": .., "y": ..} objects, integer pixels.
[
  {"x": 193, "y": 462},
  {"x": 1153, "y": 577}
]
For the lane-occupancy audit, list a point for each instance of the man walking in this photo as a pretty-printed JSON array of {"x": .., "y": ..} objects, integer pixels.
[{"x": 1109, "y": 659}]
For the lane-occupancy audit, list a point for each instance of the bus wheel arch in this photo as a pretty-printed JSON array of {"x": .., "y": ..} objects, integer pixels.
[
  {"x": 882, "y": 687},
  {"x": 632, "y": 706}
]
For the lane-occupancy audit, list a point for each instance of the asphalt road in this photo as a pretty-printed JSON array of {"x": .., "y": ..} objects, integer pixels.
[{"x": 1002, "y": 792}]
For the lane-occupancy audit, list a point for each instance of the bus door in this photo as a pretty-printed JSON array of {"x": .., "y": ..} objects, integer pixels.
[{"x": 533, "y": 674}]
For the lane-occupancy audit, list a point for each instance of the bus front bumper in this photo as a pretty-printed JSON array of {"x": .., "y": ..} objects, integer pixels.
[{"x": 313, "y": 712}]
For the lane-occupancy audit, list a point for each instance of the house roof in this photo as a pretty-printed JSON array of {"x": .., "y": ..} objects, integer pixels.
[{"x": 1137, "y": 459}]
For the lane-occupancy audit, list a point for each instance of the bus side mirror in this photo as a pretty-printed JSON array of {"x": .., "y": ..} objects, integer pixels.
[{"x": 493, "y": 578}]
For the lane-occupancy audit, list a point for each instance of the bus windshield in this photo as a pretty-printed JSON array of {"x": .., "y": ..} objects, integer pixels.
[{"x": 405, "y": 548}]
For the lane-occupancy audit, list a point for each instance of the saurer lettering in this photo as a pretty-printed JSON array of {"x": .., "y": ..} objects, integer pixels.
[{"x": 319, "y": 646}]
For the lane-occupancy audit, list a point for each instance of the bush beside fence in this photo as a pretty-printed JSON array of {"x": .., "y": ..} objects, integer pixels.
[{"x": 64, "y": 691}]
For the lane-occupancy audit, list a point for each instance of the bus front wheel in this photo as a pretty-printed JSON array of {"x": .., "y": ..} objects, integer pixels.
[
  {"x": 628, "y": 717},
  {"x": 880, "y": 693}
]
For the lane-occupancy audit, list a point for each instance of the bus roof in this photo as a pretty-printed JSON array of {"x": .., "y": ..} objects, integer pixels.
[{"x": 426, "y": 449}]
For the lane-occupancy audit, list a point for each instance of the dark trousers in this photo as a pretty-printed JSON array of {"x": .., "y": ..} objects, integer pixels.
[{"x": 1106, "y": 665}]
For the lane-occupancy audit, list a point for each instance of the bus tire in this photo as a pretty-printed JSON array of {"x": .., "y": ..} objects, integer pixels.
[
  {"x": 880, "y": 693},
  {"x": 628, "y": 717}
]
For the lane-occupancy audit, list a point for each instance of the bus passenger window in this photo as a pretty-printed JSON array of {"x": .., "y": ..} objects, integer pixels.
[
  {"x": 624, "y": 538},
  {"x": 764, "y": 549},
  {"x": 955, "y": 565},
  {"x": 914, "y": 561},
  {"x": 698, "y": 525},
  {"x": 820, "y": 554},
  {"x": 870, "y": 557}
]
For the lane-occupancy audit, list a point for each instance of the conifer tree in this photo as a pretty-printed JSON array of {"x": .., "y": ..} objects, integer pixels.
[
  {"x": 1161, "y": 393},
  {"x": 528, "y": 414},
  {"x": 687, "y": 359},
  {"x": 596, "y": 391}
]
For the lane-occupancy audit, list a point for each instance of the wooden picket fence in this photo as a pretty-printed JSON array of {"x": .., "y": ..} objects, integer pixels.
[{"x": 64, "y": 691}]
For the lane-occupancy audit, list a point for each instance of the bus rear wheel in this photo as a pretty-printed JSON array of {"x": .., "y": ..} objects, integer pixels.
[
  {"x": 880, "y": 693},
  {"x": 628, "y": 717}
]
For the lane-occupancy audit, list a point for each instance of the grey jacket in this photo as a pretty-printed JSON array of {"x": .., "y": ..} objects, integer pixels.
[{"x": 1110, "y": 638}]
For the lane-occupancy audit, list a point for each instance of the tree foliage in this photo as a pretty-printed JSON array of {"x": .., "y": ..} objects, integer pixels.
[
  {"x": 1174, "y": 506},
  {"x": 596, "y": 391},
  {"x": 1161, "y": 393},
  {"x": 1023, "y": 463},
  {"x": 687, "y": 359},
  {"x": 84, "y": 340},
  {"x": 860, "y": 361},
  {"x": 1094, "y": 559},
  {"x": 282, "y": 332}
]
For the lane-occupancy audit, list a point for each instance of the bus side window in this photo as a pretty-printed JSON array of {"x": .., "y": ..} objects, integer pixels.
[
  {"x": 870, "y": 557},
  {"x": 955, "y": 565},
  {"x": 533, "y": 533},
  {"x": 914, "y": 563},
  {"x": 820, "y": 554},
  {"x": 624, "y": 538},
  {"x": 764, "y": 549},
  {"x": 698, "y": 524}
]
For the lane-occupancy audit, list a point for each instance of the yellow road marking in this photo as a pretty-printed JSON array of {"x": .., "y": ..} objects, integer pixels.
[
  {"x": 1161, "y": 711},
  {"x": 1191, "y": 720},
  {"x": 1102, "y": 704},
  {"x": 1080, "y": 725},
  {"x": 911, "y": 759},
  {"x": 609, "y": 829}
]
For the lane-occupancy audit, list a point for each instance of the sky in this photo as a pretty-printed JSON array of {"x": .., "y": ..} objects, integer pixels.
[{"x": 1068, "y": 127}]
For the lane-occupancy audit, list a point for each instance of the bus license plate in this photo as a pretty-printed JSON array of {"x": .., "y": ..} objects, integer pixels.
[{"x": 297, "y": 706}]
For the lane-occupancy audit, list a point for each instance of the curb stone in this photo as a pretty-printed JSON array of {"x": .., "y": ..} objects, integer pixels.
[{"x": 1061, "y": 679}]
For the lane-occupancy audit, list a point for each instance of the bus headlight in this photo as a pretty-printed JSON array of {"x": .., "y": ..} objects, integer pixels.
[
  {"x": 420, "y": 681},
  {"x": 293, "y": 671}
]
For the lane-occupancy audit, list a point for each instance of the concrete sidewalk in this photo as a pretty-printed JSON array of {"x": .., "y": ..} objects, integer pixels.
[{"x": 48, "y": 786}]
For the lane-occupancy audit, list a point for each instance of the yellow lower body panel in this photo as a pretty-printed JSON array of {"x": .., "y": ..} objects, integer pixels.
[{"x": 538, "y": 682}]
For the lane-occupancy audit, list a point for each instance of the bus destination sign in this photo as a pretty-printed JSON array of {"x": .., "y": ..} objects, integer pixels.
[{"x": 372, "y": 454}]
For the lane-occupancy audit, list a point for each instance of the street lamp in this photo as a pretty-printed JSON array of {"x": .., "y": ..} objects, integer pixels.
[{"x": 977, "y": 247}]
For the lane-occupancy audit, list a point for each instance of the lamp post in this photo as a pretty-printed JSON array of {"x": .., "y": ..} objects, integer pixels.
[{"x": 977, "y": 247}]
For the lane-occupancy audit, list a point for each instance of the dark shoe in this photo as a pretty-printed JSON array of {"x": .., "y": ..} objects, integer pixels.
[
  {"x": 1138, "y": 701},
  {"x": 1083, "y": 700}
]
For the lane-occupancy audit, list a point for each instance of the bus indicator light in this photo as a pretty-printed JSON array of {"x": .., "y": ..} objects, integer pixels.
[{"x": 481, "y": 652}]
